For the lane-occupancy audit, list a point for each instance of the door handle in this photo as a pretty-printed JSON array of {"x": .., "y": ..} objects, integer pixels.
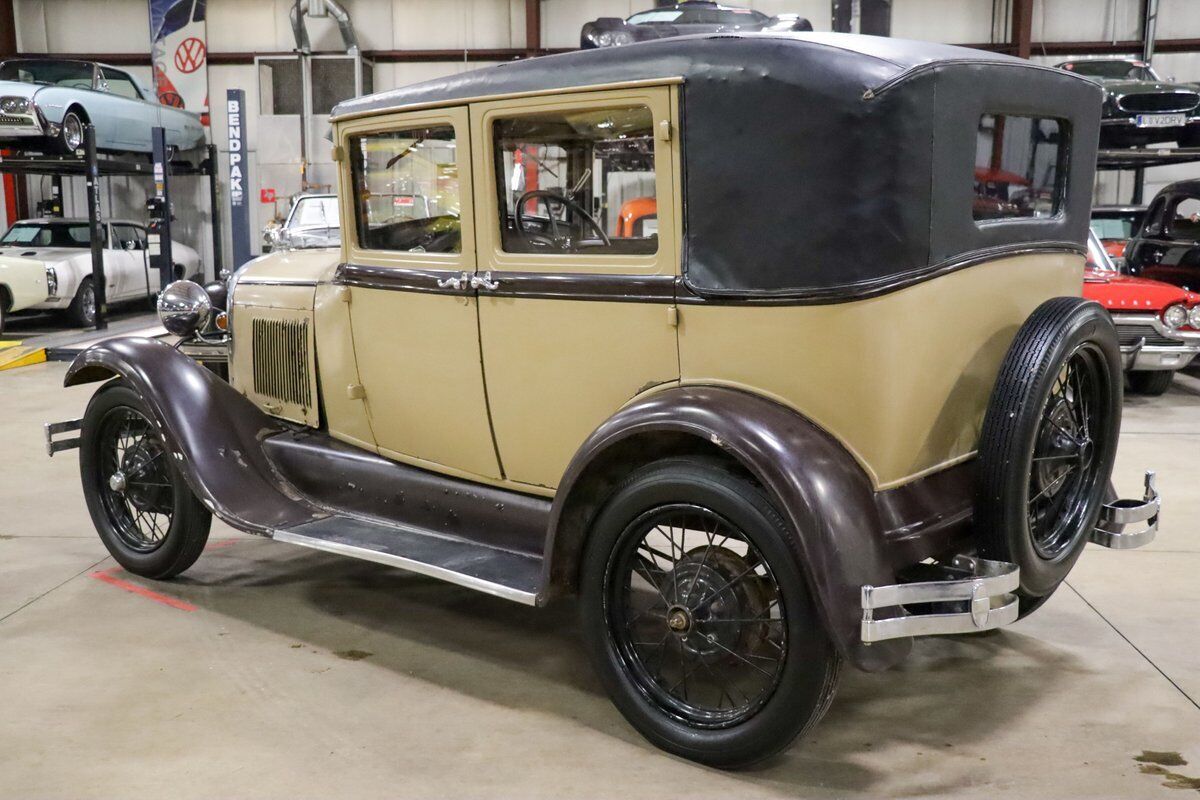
[
  {"x": 484, "y": 281},
  {"x": 457, "y": 283}
]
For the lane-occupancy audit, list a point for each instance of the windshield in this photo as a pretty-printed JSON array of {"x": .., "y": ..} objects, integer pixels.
[
  {"x": 1113, "y": 70},
  {"x": 314, "y": 212},
  {"x": 1097, "y": 256},
  {"x": 1114, "y": 227},
  {"x": 699, "y": 15},
  {"x": 75, "y": 74},
  {"x": 48, "y": 234}
]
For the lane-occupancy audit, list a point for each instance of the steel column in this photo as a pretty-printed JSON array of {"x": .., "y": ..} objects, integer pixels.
[
  {"x": 1022, "y": 28},
  {"x": 96, "y": 225}
]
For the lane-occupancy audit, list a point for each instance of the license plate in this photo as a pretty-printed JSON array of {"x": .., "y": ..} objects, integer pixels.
[{"x": 1160, "y": 120}]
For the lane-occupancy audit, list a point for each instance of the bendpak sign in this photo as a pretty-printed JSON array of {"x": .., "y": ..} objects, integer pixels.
[
  {"x": 179, "y": 51},
  {"x": 239, "y": 218}
]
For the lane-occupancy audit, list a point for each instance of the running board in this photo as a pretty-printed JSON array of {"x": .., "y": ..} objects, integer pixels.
[{"x": 501, "y": 573}]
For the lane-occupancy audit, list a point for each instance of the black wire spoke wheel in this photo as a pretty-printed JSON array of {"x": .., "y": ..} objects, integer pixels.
[
  {"x": 1064, "y": 456},
  {"x": 135, "y": 482},
  {"x": 697, "y": 615}
]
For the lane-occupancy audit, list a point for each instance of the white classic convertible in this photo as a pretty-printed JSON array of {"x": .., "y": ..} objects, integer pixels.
[{"x": 63, "y": 248}]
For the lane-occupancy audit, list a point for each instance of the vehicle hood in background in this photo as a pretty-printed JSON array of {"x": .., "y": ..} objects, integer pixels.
[
  {"x": 293, "y": 266},
  {"x": 1117, "y": 292},
  {"x": 19, "y": 89},
  {"x": 50, "y": 255}
]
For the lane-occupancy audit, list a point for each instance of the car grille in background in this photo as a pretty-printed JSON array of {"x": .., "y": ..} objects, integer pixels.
[
  {"x": 1161, "y": 102},
  {"x": 281, "y": 360},
  {"x": 6, "y": 119},
  {"x": 1130, "y": 335}
]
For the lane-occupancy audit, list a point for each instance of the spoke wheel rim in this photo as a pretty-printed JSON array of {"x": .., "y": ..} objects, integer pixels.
[
  {"x": 1065, "y": 463},
  {"x": 134, "y": 480},
  {"x": 696, "y": 616},
  {"x": 89, "y": 303}
]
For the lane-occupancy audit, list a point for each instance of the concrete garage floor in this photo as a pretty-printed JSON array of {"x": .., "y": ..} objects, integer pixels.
[{"x": 283, "y": 672}]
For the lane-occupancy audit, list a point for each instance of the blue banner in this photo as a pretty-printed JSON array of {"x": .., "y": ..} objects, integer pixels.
[{"x": 235, "y": 105}]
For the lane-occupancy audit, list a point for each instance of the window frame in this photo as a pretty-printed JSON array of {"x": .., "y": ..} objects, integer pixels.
[
  {"x": 353, "y": 250},
  {"x": 1061, "y": 169},
  {"x": 662, "y": 100}
]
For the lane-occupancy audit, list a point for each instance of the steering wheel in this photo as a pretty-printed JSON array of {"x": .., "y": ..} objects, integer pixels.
[{"x": 556, "y": 238}]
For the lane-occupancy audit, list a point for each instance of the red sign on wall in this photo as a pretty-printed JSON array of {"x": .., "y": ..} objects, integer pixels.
[{"x": 267, "y": 195}]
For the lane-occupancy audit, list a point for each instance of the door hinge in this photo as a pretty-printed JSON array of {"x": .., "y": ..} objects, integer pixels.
[
  {"x": 343, "y": 294},
  {"x": 338, "y": 153},
  {"x": 355, "y": 391},
  {"x": 673, "y": 316},
  {"x": 664, "y": 130}
]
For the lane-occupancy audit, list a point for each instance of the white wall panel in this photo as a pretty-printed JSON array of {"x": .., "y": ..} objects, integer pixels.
[
  {"x": 1179, "y": 19},
  {"x": 956, "y": 21}
]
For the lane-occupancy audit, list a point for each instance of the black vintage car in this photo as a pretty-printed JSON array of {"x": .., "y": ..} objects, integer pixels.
[
  {"x": 693, "y": 16},
  {"x": 1167, "y": 245},
  {"x": 1141, "y": 108}
]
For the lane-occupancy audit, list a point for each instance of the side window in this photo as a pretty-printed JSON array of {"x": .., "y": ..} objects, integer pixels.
[
  {"x": 1018, "y": 167},
  {"x": 1184, "y": 220},
  {"x": 121, "y": 84},
  {"x": 129, "y": 237},
  {"x": 406, "y": 190},
  {"x": 577, "y": 182}
]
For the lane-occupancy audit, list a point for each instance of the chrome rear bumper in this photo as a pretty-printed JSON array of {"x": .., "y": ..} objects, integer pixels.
[{"x": 981, "y": 595}]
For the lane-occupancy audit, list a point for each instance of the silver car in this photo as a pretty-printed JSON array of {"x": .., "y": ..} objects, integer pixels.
[{"x": 45, "y": 103}]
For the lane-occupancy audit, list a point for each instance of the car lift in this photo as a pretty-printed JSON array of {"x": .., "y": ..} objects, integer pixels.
[
  {"x": 1139, "y": 159},
  {"x": 93, "y": 168}
]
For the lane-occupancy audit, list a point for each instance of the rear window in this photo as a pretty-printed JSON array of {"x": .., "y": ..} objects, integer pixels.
[
  {"x": 1184, "y": 220},
  {"x": 1019, "y": 167}
]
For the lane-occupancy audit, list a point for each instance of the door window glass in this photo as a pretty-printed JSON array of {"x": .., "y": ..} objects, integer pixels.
[
  {"x": 1017, "y": 167},
  {"x": 128, "y": 237},
  {"x": 406, "y": 190},
  {"x": 1185, "y": 219},
  {"x": 577, "y": 182},
  {"x": 121, "y": 84}
]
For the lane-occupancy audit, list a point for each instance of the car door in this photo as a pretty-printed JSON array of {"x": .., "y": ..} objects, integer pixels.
[
  {"x": 413, "y": 317},
  {"x": 577, "y": 315},
  {"x": 119, "y": 264},
  {"x": 132, "y": 116},
  {"x": 130, "y": 241}
]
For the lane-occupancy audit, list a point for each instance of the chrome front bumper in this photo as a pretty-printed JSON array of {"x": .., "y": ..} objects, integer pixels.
[
  {"x": 984, "y": 598},
  {"x": 1143, "y": 356}
]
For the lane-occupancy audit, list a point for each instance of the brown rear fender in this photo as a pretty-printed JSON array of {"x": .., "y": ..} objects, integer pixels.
[
  {"x": 212, "y": 432},
  {"x": 819, "y": 487}
]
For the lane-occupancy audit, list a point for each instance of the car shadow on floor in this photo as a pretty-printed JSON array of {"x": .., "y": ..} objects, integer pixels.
[{"x": 475, "y": 645}]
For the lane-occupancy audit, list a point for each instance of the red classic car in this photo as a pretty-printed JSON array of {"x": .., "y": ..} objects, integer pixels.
[{"x": 1158, "y": 324}]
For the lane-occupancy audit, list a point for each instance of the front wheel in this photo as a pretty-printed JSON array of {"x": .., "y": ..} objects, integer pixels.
[
  {"x": 142, "y": 507},
  {"x": 698, "y": 617},
  {"x": 1150, "y": 382},
  {"x": 70, "y": 135},
  {"x": 82, "y": 311}
]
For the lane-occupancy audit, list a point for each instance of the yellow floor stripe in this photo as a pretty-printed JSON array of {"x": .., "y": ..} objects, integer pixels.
[
  {"x": 13, "y": 357},
  {"x": 10, "y": 343}
]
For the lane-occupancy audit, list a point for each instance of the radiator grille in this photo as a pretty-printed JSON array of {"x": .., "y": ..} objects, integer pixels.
[
  {"x": 1167, "y": 101},
  {"x": 281, "y": 360},
  {"x": 1130, "y": 335},
  {"x": 8, "y": 119}
]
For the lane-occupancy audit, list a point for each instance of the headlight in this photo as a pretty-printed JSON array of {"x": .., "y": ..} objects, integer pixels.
[
  {"x": 622, "y": 37},
  {"x": 604, "y": 39},
  {"x": 51, "y": 281},
  {"x": 1175, "y": 316},
  {"x": 14, "y": 105},
  {"x": 183, "y": 307},
  {"x": 1194, "y": 317}
]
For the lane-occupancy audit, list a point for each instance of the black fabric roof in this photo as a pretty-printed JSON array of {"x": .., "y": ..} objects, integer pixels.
[{"x": 820, "y": 167}]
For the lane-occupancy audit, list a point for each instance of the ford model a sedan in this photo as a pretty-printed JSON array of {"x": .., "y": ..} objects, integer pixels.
[{"x": 755, "y": 446}]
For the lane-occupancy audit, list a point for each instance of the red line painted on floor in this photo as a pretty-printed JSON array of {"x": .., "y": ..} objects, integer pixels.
[
  {"x": 220, "y": 543},
  {"x": 112, "y": 580}
]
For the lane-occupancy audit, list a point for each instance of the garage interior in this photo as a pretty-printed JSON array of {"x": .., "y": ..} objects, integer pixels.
[{"x": 270, "y": 671}]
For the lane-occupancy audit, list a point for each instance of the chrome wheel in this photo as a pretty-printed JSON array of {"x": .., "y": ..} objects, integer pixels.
[
  {"x": 135, "y": 485},
  {"x": 1063, "y": 467},
  {"x": 696, "y": 615},
  {"x": 72, "y": 132},
  {"x": 87, "y": 303}
]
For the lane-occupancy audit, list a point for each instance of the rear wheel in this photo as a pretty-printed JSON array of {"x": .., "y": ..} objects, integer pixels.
[
  {"x": 1151, "y": 382},
  {"x": 1048, "y": 443},
  {"x": 142, "y": 507},
  {"x": 698, "y": 617}
]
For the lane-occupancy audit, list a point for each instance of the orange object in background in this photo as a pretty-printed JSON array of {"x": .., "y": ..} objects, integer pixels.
[{"x": 634, "y": 211}]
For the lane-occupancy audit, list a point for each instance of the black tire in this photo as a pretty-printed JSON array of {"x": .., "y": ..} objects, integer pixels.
[
  {"x": 69, "y": 140},
  {"x": 82, "y": 311},
  {"x": 1151, "y": 382},
  {"x": 129, "y": 520},
  {"x": 1057, "y": 399},
  {"x": 3, "y": 312},
  {"x": 801, "y": 679}
]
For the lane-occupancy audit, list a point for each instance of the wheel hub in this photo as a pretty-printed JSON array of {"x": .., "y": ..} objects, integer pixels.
[
  {"x": 710, "y": 617},
  {"x": 117, "y": 482},
  {"x": 141, "y": 481}
]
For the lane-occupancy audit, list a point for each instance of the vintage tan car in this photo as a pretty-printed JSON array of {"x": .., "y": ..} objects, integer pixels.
[{"x": 820, "y": 407}]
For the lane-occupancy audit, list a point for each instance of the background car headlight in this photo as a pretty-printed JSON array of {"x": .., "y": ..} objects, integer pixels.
[
  {"x": 1194, "y": 317},
  {"x": 1175, "y": 316},
  {"x": 622, "y": 37},
  {"x": 14, "y": 105},
  {"x": 183, "y": 307},
  {"x": 604, "y": 39},
  {"x": 51, "y": 281}
]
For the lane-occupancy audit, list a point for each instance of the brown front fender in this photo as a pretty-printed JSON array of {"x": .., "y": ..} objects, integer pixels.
[
  {"x": 821, "y": 490},
  {"x": 213, "y": 433}
]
